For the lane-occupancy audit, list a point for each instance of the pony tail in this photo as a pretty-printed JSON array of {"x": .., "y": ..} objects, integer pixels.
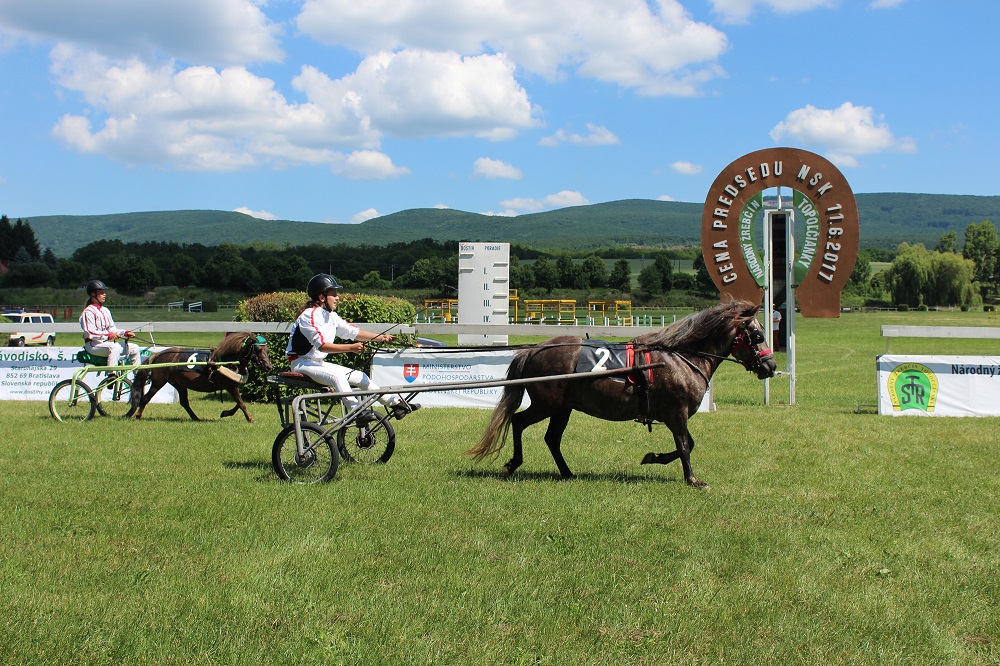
[{"x": 496, "y": 432}]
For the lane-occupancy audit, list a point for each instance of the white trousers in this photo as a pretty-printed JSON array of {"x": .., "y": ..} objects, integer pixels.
[
  {"x": 113, "y": 351},
  {"x": 340, "y": 378}
]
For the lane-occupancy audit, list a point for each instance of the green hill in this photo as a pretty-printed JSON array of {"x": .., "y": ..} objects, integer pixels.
[{"x": 886, "y": 219}]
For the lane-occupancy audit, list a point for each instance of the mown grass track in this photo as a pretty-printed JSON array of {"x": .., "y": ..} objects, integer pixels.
[{"x": 828, "y": 536}]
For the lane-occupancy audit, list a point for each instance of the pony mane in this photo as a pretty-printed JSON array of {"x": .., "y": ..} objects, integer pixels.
[
  {"x": 231, "y": 345},
  {"x": 699, "y": 326}
]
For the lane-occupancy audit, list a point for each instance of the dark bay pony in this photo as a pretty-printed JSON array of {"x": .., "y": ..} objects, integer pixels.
[
  {"x": 690, "y": 350},
  {"x": 244, "y": 347}
]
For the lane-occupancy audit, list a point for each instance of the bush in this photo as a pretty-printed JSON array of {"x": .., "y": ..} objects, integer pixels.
[
  {"x": 286, "y": 306},
  {"x": 903, "y": 307},
  {"x": 922, "y": 307}
]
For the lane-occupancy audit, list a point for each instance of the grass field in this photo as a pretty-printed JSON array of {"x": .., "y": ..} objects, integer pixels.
[{"x": 829, "y": 537}]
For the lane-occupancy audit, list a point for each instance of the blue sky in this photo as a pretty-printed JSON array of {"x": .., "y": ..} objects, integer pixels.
[{"x": 340, "y": 110}]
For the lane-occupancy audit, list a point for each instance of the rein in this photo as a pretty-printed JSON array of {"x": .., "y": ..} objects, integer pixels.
[
  {"x": 738, "y": 341},
  {"x": 691, "y": 365},
  {"x": 245, "y": 354}
]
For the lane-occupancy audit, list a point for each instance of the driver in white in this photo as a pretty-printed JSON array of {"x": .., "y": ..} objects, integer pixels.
[
  {"x": 314, "y": 337},
  {"x": 100, "y": 335}
]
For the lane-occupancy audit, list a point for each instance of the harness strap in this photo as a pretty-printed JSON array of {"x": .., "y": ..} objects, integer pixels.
[
  {"x": 691, "y": 365},
  {"x": 640, "y": 380}
]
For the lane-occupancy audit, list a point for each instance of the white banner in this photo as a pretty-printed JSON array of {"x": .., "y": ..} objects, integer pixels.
[
  {"x": 938, "y": 385},
  {"x": 420, "y": 366},
  {"x": 29, "y": 373}
]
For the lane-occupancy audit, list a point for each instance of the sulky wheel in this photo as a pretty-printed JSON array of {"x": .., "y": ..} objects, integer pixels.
[
  {"x": 371, "y": 443},
  {"x": 318, "y": 461},
  {"x": 71, "y": 401},
  {"x": 114, "y": 397}
]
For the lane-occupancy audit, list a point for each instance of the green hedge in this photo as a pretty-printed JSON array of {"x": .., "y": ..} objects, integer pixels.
[{"x": 286, "y": 306}]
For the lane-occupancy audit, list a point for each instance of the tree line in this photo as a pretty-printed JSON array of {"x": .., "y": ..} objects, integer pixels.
[
  {"x": 944, "y": 276},
  {"x": 916, "y": 276},
  {"x": 136, "y": 268}
]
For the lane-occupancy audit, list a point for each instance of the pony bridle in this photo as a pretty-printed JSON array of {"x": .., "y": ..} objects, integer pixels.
[
  {"x": 251, "y": 344},
  {"x": 751, "y": 345}
]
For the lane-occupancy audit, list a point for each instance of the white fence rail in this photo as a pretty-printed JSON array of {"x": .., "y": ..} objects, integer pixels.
[
  {"x": 980, "y": 332},
  {"x": 418, "y": 329}
]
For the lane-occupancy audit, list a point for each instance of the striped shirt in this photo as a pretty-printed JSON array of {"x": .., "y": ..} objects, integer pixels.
[{"x": 96, "y": 323}]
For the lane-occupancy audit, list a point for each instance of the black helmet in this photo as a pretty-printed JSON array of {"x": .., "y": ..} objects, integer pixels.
[
  {"x": 319, "y": 284},
  {"x": 96, "y": 285}
]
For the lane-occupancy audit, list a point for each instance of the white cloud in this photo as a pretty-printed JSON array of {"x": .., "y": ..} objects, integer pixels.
[
  {"x": 886, "y": 4},
  {"x": 415, "y": 94},
  {"x": 665, "y": 197},
  {"x": 687, "y": 168},
  {"x": 562, "y": 199},
  {"x": 740, "y": 11},
  {"x": 490, "y": 168},
  {"x": 844, "y": 133},
  {"x": 203, "y": 119},
  {"x": 196, "y": 119},
  {"x": 368, "y": 164},
  {"x": 441, "y": 206},
  {"x": 364, "y": 216},
  {"x": 259, "y": 214},
  {"x": 598, "y": 136},
  {"x": 166, "y": 82},
  {"x": 657, "y": 49},
  {"x": 221, "y": 32}
]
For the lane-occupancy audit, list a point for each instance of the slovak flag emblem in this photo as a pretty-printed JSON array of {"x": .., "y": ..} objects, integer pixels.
[{"x": 410, "y": 371}]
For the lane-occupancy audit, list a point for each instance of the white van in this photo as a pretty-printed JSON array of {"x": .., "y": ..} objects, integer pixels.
[{"x": 36, "y": 328}]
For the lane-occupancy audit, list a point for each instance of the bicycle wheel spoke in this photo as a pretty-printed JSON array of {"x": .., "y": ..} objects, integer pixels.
[
  {"x": 71, "y": 401},
  {"x": 114, "y": 397},
  {"x": 371, "y": 443},
  {"x": 317, "y": 462}
]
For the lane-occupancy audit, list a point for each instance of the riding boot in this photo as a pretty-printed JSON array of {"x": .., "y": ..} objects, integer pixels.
[{"x": 402, "y": 408}]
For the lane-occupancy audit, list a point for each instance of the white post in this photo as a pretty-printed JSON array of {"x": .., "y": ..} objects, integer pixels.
[
  {"x": 768, "y": 294},
  {"x": 790, "y": 304}
]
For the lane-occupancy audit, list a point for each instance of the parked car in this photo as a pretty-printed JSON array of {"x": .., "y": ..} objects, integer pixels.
[{"x": 36, "y": 329}]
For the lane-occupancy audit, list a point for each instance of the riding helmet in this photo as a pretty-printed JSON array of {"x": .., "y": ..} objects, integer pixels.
[
  {"x": 96, "y": 285},
  {"x": 319, "y": 284}
]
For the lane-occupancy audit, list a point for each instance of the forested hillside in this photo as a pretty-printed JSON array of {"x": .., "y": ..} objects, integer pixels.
[{"x": 886, "y": 220}]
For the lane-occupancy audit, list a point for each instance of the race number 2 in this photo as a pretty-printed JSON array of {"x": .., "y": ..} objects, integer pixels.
[{"x": 603, "y": 354}]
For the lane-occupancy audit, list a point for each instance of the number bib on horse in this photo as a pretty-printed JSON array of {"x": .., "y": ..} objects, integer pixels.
[
  {"x": 598, "y": 355},
  {"x": 197, "y": 358}
]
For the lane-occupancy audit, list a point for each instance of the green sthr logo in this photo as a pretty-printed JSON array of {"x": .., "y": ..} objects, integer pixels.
[{"x": 914, "y": 390}]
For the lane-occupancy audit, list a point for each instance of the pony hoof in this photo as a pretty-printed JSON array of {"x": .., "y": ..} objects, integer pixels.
[
  {"x": 648, "y": 459},
  {"x": 698, "y": 484},
  {"x": 506, "y": 471}
]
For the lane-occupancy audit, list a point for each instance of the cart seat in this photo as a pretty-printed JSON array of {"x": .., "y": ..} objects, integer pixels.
[
  {"x": 85, "y": 357},
  {"x": 297, "y": 380}
]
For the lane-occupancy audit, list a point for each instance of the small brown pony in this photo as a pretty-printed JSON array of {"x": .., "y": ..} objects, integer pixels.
[
  {"x": 243, "y": 347},
  {"x": 690, "y": 350}
]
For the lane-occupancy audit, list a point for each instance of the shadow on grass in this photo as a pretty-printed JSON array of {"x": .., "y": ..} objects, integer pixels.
[
  {"x": 247, "y": 464},
  {"x": 265, "y": 473},
  {"x": 616, "y": 477}
]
